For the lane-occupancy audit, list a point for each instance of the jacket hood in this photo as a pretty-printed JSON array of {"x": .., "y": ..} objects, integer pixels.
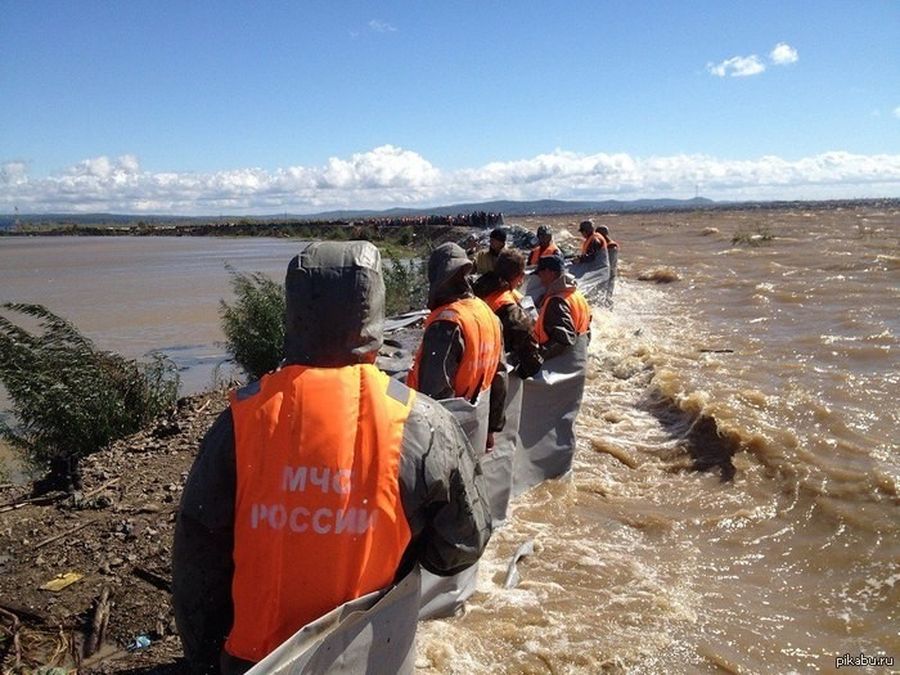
[
  {"x": 334, "y": 296},
  {"x": 447, "y": 267}
]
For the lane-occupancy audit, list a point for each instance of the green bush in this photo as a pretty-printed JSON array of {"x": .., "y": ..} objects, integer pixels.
[
  {"x": 70, "y": 399},
  {"x": 405, "y": 285},
  {"x": 254, "y": 324}
]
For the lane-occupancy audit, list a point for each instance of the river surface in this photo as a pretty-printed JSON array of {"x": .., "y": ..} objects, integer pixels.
[{"x": 775, "y": 366}]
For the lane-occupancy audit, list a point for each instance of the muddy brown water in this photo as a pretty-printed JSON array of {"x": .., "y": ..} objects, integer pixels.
[{"x": 775, "y": 364}]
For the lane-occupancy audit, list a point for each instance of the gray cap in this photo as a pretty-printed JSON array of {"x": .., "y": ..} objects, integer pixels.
[
  {"x": 550, "y": 262},
  {"x": 334, "y": 296},
  {"x": 446, "y": 263},
  {"x": 544, "y": 230}
]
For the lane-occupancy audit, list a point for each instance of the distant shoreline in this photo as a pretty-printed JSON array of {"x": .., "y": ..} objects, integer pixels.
[{"x": 464, "y": 216}]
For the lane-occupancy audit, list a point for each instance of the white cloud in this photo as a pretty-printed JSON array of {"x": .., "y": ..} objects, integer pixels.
[
  {"x": 737, "y": 66},
  {"x": 390, "y": 176},
  {"x": 379, "y": 26},
  {"x": 897, "y": 112},
  {"x": 13, "y": 173},
  {"x": 783, "y": 54}
]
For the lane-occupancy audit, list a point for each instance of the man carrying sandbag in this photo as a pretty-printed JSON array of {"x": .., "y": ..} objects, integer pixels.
[
  {"x": 565, "y": 313},
  {"x": 551, "y": 399},
  {"x": 460, "y": 362},
  {"x": 461, "y": 355},
  {"x": 499, "y": 290},
  {"x": 322, "y": 484}
]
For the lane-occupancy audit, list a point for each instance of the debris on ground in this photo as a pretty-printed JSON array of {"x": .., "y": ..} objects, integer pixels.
[{"x": 85, "y": 577}]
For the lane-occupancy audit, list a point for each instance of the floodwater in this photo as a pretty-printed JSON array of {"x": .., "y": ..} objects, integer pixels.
[
  {"x": 774, "y": 367},
  {"x": 136, "y": 295}
]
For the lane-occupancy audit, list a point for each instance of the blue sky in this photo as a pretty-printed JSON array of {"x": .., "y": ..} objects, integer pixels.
[{"x": 208, "y": 107}]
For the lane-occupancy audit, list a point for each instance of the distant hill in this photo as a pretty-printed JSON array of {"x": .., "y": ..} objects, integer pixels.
[{"x": 543, "y": 207}]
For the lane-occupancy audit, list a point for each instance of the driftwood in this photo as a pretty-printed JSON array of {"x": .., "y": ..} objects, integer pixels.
[
  {"x": 34, "y": 616},
  {"x": 98, "y": 625},
  {"x": 62, "y": 535},
  {"x": 97, "y": 490},
  {"x": 152, "y": 578},
  {"x": 13, "y": 631},
  {"x": 43, "y": 500}
]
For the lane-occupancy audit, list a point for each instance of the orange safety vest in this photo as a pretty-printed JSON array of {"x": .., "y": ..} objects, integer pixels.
[
  {"x": 537, "y": 253},
  {"x": 502, "y": 298},
  {"x": 578, "y": 307},
  {"x": 482, "y": 346},
  {"x": 586, "y": 244},
  {"x": 609, "y": 242},
  {"x": 318, "y": 515}
]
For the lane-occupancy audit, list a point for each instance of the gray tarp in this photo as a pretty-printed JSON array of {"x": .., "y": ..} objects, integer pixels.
[
  {"x": 372, "y": 634},
  {"x": 443, "y": 596},
  {"x": 613, "y": 273},
  {"x": 533, "y": 291},
  {"x": 550, "y": 404},
  {"x": 395, "y": 323},
  {"x": 592, "y": 277},
  {"x": 497, "y": 464}
]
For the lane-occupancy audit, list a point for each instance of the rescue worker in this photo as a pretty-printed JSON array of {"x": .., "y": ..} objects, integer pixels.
[
  {"x": 499, "y": 289},
  {"x": 461, "y": 354},
  {"x": 564, "y": 314},
  {"x": 322, "y": 482},
  {"x": 545, "y": 246},
  {"x": 613, "y": 248},
  {"x": 593, "y": 244},
  {"x": 486, "y": 259}
]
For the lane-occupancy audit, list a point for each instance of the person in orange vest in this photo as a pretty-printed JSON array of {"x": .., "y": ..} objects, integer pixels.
[
  {"x": 324, "y": 481},
  {"x": 461, "y": 354},
  {"x": 545, "y": 245},
  {"x": 564, "y": 313},
  {"x": 593, "y": 244},
  {"x": 613, "y": 248},
  {"x": 499, "y": 290}
]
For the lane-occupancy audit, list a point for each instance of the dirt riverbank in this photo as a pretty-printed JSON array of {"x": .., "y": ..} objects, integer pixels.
[{"x": 116, "y": 533}]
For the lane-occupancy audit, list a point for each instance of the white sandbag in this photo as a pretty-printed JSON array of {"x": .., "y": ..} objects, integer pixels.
[
  {"x": 550, "y": 404},
  {"x": 496, "y": 465},
  {"x": 444, "y": 596},
  {"x": 372, "y": 634}
]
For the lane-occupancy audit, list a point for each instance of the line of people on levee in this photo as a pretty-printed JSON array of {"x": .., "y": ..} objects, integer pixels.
[{"x": 331, "y": 506}]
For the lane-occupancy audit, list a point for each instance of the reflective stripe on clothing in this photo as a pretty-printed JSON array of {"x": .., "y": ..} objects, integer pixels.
[
  {"x": 482, "y": 345},
  {"x": 578, "y": 308},
  {"x": 537, "y": 253},
  {"x": 318, "y": 513}
]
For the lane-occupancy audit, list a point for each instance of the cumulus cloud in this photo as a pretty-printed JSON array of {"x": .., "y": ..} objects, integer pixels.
[
  {"x": 897, "y": 112},
  {"x": 783, "y": 54},
  {"x": 389, "y": 176},
  {"x": 737, "y": 66},
  {"x": 379, "y": 26}
]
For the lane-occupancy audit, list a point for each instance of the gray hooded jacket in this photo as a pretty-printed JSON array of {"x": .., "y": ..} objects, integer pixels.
[
  {"x": 442, "y": 343},
  {"x": 334, "y": 317},
  {"x": 558, "y": 323}
]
